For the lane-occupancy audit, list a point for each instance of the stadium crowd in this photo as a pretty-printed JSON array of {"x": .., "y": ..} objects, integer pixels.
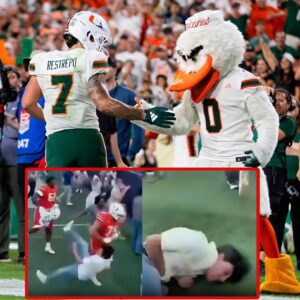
[{"x": 141, "y": 55}]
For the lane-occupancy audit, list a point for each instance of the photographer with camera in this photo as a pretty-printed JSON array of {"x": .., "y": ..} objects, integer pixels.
[
  {"x": 292, "y": 194},
  {"x": 276, "y": 170},
  {"x": 10, "y": 82},
  {"x": 32, "y": 133}
]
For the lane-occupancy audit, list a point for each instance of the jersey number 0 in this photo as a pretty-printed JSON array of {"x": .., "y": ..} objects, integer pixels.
[
  {"x": 212, "y": 115},
  {"x": 66, "y": 83}
]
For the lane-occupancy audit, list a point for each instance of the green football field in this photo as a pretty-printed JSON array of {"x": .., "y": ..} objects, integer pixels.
[
  {"x": 122, "y": 279},
  {"x": 11, "y": 278},
  {"x": 203, "y": 201}
]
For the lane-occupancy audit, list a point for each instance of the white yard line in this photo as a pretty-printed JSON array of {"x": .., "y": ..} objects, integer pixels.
[
  {"x": 12, "y": 287},
  {"x": 63, "y": 225}
]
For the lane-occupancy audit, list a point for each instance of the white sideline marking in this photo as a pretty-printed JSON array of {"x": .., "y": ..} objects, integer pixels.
[
  {"x": 63, "y": 225},
  {"x": 12, "y": 287}
]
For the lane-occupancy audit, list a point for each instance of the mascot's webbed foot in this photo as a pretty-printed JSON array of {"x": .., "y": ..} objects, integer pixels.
[{"x": 280, "y": 276}]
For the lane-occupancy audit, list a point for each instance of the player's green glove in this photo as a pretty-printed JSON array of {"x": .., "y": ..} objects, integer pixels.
[
  {"x": 251, "y": 161},
  {"x": 159, "y": 116}
]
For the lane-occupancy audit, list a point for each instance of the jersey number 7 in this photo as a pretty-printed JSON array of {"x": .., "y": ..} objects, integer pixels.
[{"x": 66, "y": 83}]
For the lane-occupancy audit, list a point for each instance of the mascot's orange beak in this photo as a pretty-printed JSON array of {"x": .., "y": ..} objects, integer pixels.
[{"x": 200, "y": 82}]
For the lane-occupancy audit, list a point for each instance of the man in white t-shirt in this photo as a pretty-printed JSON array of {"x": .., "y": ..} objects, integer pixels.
[
  {"x": 86, "y": 267},
  {"x": 183, "y": 254},
  {"x": 137, "y": 57}
]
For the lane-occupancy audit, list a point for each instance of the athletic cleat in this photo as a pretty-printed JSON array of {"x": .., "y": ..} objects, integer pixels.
[
  {"x": 232, "y": 186},
  {"x": 69, "y": 204},
  {"x": 41, "y": 276},
  {"x": 49, "y": 250},
  {"x": 68, "y": 226}
]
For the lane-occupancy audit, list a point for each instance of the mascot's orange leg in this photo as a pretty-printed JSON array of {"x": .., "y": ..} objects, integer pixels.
[
  {"x": 280, "y": 274},
  {"x": 268, "y": 238}
]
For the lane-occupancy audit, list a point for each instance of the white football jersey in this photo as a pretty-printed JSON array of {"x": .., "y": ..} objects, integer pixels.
[
  {"x": 226, "y": 128},
  {"x": 185, "y": 149},
  {"x": 63, "y": 78}
]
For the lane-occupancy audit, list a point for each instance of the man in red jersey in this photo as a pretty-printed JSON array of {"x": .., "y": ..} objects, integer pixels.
[
  {"x": 106, "y": 227},
  {"x": 46, "y": 211}
]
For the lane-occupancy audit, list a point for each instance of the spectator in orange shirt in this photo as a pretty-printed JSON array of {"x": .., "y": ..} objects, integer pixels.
[
  {"x": 95, "y": 3},
  {"x": 274, "y": 18},
  {"x": 155, "y": 39}
]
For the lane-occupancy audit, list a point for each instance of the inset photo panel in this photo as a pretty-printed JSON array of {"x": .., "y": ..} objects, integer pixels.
[
  {"x": 84, "y": 233},
  {"x": 199, "y": 233}
]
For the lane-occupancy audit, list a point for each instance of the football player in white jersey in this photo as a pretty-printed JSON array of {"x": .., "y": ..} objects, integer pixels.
[{"x": 73, "y": 84}]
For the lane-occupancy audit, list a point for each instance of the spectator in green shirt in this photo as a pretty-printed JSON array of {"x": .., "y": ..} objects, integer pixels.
[
  {"x": 280, "y": 48},
  {"x": 240, "y": 20},
  {"x": 276, "y": 170},
  {"x": 292, "y": 24},
  {"x": 260, "y": 33},
  {"x": 292, "y": 194}
]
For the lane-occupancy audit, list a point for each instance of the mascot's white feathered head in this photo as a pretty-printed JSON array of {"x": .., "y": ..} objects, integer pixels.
[{"x": 206, "y": 51}]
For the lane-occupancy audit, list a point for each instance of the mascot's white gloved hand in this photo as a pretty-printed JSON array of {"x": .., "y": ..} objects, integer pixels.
[
  {"x": 266, "y": 122},
  {"x": 141, "y": 103},
  {"x": 185, "y": 113},
  {"x": 55, "y": 212},
  {"x": 157, "y": 116}
]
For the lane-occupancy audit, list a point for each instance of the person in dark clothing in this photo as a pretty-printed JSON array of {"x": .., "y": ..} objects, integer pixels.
[
  {"x": 249, "y": 55},
  {"x": 130, "y": 137},
  {"x": 108, "y": 127},
  {"x": 276, "y": 170},
  {"x": 9, "y": 188},
  {"x": 292, "y": 193}
]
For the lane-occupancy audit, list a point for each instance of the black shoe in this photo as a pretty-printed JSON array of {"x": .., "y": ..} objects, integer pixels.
[
  {"x": 4, "y": 257},
  {"x": 262, "y": 268}
]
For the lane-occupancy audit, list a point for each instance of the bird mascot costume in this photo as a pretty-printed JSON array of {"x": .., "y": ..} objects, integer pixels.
[{"x": 226, "y": 100}]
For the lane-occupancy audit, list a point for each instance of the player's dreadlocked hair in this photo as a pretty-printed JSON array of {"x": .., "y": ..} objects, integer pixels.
[
  {"x": 70, "y": 39},
  {"x": 240, "y": 263},
  {"x": 49, "y": 179}
]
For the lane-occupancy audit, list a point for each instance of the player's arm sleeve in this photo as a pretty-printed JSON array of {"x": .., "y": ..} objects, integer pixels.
[
  {"x": 266, "y": 122},
  {"x": 33, "y": 65},
  {"x": 186, "y": 118}
]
